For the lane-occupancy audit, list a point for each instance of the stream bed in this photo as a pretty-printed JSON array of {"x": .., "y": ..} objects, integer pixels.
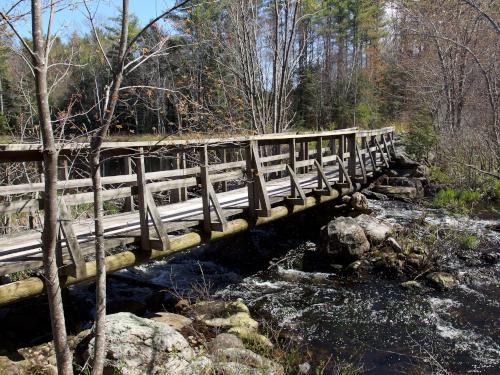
[{"x": 370, "y": 322}]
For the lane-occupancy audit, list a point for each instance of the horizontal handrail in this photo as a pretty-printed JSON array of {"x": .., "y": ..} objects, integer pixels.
[
  {"x": 181, "y": 177},
  {"x": 78, "y": 146}
]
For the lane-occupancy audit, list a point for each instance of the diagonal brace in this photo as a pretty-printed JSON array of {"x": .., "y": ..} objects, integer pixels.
[{"x": 295, "y": 187}]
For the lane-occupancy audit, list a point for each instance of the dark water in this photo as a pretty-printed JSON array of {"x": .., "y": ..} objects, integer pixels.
[{"x": 371, "y": 321}]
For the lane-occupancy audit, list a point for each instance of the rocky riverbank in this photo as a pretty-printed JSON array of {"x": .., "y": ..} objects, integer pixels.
[{"x": 207, "y": 337}]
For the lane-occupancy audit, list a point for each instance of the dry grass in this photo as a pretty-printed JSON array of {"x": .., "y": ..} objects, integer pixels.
[{"x": 7, "y": 139}]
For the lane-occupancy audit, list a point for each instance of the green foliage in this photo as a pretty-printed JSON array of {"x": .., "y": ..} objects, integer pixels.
[
  {"x": 457, "y": 200},
  {"x": 19, "y": 275},
  {"x": 422, "y": 136},
  {"x": 4, "y": 125},
  {"x": 438, "y": 176},
  {"x": 111, "y": 207},
  {"x": 469, "y": 242},
  {"x": 492, "y": 188}
]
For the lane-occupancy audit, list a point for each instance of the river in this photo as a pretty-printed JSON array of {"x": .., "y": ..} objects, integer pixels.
[{"x": 370, "y": 322}]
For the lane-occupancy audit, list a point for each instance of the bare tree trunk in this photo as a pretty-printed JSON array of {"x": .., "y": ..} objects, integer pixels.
[
  {"x": 95, "y": 163},
  {"x": 1, "y": 97},
  {"x": 49, "y": 234}
]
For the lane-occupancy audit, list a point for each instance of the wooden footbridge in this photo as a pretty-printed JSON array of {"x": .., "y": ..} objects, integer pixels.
[{"x": 166, "y": 196}]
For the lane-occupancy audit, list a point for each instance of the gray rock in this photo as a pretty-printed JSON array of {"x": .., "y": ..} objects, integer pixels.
[
  {"x": 412, "y": 285},
  {"x": 442, "y": 280},
  {"x": 305, "y": 368},
  {"x": 343, "y": 240},
  {"x": 143, "y": 346},
  {"x": 403, "y": 160},
  {"x": 400, "y": 192},
  {"x": 376, "y": 230},
  {"x": 406, "y": 182},
  {"x": 394, "y": 245},
  {"x": 239, "y": 361},
  {"x": 421, "y": 171},
  {"x": 354, "y": 266},
  {"x": 346, "y": 199},
  {"x": 373, "y": 195},
  {"x": 176, "y": 321},
  {"x": 391, "y": 173},
  {"x": 359, "y": 202},
  {"x": 225, "y": 341}
]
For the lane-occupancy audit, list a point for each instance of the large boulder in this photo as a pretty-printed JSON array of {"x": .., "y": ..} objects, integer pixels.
[
  {"x": 343, "y": 240},
  {"x": 176, "y": 321},
  {"x": 225, "y": 341},
  {"x": 240, "y": 361},
  {"x": 442, "y": 280},
  {"x": 143, "y": 346},
  {"x": 376, "y": 230},
  {"x": 372, "y": 195},
  {"x": 404, "y": 160},
  {"x": 359, "y": 202},
  {"x": 232, "y": 317}
]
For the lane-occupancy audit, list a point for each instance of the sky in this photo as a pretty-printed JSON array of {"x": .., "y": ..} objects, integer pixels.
[{"x": 73, "y": 18}]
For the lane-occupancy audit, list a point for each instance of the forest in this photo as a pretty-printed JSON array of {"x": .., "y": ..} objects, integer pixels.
[{"x": 272, "y": 66}]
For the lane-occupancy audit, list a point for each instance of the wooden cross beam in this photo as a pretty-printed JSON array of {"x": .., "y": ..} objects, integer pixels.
[
  {"x": 162, "y": 242},
  {"x": 209, "y": 198},
  {"x": 295, "y": 189},
  {"x": 386, "y": 148},
  {"x": 382, "y": 153},
  {"x": 77, "y": 267},
  {"x": 343, "y": 173},
  {"x": 362, "y": 164},
  {"x": 372, "y": 159},
  {"x": 322, "y": 179},
  {"x": 258, "y": 198},
  {"x": 147, "y": 207}
]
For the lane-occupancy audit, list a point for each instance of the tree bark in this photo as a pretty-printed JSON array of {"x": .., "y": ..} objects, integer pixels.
[{"x": 49, "y": 234}]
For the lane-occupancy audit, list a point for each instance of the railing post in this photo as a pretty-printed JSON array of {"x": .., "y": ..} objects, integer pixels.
[
  {"x": 127, "y": 168},
  {"x": 341, "y": 157},
  {"x": 319, "y": 158},
  {"x": 351, "y": 140},
  {"x": 250, "y": 179},
  {"x": 224, "y": 161},
  {"x": 305, "y": 145},
  {"x": 182, "y": 164},
  {"x": 374, "y": 152},
  {"x": 363, "y": 151},
  {"x": 207, "y": 220},
  {"x": 333, "y": 147},
  {"x": 143, "y": 206},
  {"x": 291, "y": 162}
]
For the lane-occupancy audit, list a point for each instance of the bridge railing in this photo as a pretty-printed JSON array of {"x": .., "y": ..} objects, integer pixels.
[{"x": 144, "y": 177}]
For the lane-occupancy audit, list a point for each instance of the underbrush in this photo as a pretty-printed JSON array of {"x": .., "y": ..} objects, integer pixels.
[
  {"x": 290, "y": 354},
  {"x": 462, "y": 195},
  {"x": 460, "y": 200}
]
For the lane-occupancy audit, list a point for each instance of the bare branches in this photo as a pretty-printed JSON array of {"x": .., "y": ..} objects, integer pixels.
[
  {"x": 152, "y": 22},
  {"x": 476, "y": 5},
  {"x": 96, "y": 35},
  {"x": 28, "y": 49}
]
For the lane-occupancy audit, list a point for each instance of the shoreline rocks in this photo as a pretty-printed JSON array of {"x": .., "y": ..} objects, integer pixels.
[
  {"x": 442, "y": 280},
  {"x": 343, "y": 240},
  {"x": 376, "y": 230}
]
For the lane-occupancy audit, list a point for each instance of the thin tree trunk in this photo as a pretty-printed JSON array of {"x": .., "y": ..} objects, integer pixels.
[
  {"x": 49, "y": 234},
  {"x": 95, "y": 158}
]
